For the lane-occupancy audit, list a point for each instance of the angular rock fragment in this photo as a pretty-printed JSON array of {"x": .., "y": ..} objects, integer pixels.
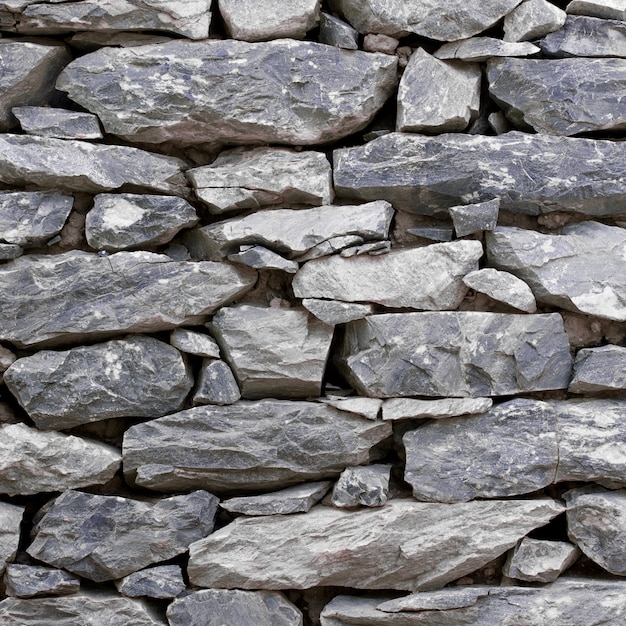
[
  {"x": 273, "y": 352},
  {"x": 334, "y": 312},
  {"x": 432, "y": 233},
  {"x": 367, "y": 407},
  {"x": 193, "y": 342},
  {"x": 457, "y": 354},
  {"x": 503, "y": 287},
  {"x": 107, "y": 537},
  {"x": 533, "y": 19},
  {"x": 581, "y": 270},
  {"x": 30, "y": 581},
  {"x": 330, "y": 246},
  {"x": 473, "y": 218},
  {"x": 539, "y": 561},
  {"x": 483, "y": 48},
  {"x": 410, "y": 408},
  {"x": 216, "y": 385},
  {"x": 420, "y": 278},
  {"x": 375, "y": 42},
  {"x": 532, "y": 174},
  {"x": 247, "y": 446},
  {"x": 231, "y": 92},
  {"x": 123, "y": 292},
  {"x": 252, "y": 178},
  {"x": 128, "y": 220},
  {"x": 162, "y": 582},
  {"x": 560, "y": 96},
  {"x": 607, "y": 9},
  {"x": 422, "y": 545},
  {"x": 335, "y": 32},
  {"x": 443, "y": 600},
  {"x": 10, "y": 251},
  {"x": 435, "y": 96},
  {"x": 59, "y": 123},
  {"x": 133, "y": 377},
  {"x": 259, "y": 257},
  {"x": 599, "y": 369},
  {"x": 10, "y": 520},
  {"x": 362, "y": 486}
]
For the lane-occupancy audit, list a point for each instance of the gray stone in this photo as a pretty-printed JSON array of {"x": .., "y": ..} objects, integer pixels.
[
  {"x": 93, "y": 40},
  {"x": 483, "y": 48},
  {"x": 540, "y": 561},
  {"x": 193, "y": 342},
  {"x": 510, "y": 450},
  {"x": 33, "y": 462},
  {"x": 86, "y": 167},
  {"x": 162, "y": 582},
  {"x": 380, "y": 43},
  {"x": 336, "y": 32},
  {"x": 128, "y": 220},
  {"x": 259, "y": 257},
  {"x": 429, "y": 18},
  {"x": 251, "y": 178},
  {"x": 436, "y": 96},
  {"x": 367, "y": 407},
  {"x": 107, "y": 537},
  {"x": 581, "y": 270},
  {"x": 9, "y": 251},
  {"x": 410, "y": 408},
  {"x": 456, "y": 354},
  {"x": 247, "y": 446},
  {"x": 532, "y": 174},
  {"x": 498, "y": 123},
  {"x": 375, "y": 248},
  {"x": 216, "y": 385},
  {"x": 334, "y": 312},
  {"x": 503, "y": 287},
  {"x": 596, "y": 523},
  {"x": 123, "y": 292},
  {"x": 423, "y": 545},
  {"x": 291, "y": 232},
  {"x": 362, "y": 486},
  {"x": 273, "y": 352},
  {"x": 533, "y": 19},
  {"x": 296, "y": 499},
  {"x": 132, "y": 377},
  {"x": 443, "y": 600},
  {"x": 214, "y": 607},
  {"x": 474, "y": 218},
  {"x": 30, "y": 581},
  {"x": 59, "y": 123},
  {"x": 432, "y": 234},
  {"x": 10, "y": 520},
  {"x": 330, "y": 246},
  {"x": 560, "y": 96},
  {"x": 599, "y": 369},
  {"x": 31, "y": 218},
  {"x": 607, "y": 9},
  {"x": 428, "y": 278},
  {"x": 27, "y": 74},
  {"x": 586, "y": 37},
  {"x": 231, "y": 92}
]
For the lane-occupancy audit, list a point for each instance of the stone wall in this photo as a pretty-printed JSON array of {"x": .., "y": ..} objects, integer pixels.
[{"x": 312, "y": 315}]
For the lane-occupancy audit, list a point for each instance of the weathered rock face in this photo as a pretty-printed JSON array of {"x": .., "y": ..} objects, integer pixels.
[
  {"x": 99, "y": 538},
  {"x": 211, "y": 91},
  {"x": 30, "y": 581},
  {"x": 59, "y": 123},
  {"x": 335, "y": 546},
  {"x": 259, "y": 257},
  {"x": 335, "y": 32},
  {"x": 503, "y": 287},
  {"x": 455, "y": 354},
  {"x": 124, "y": 292},
  {"x": 362, "y": 486},
  {"x": 10, "y": 518},
  {"x": 599, "y": 369},
  {"x": 532, "y": 19},
  {"x": 216, "y": 385},
  {"x": 335, "y": 312},
  {"x": 608, "y": 9},
  {"x": 534, "y": 560},
  {"x": 248, "y": 445},
  {"x": 427, "y": 175},
  {"x": 410, "y": 408},
  {"x": 484, "y": 48},
  {"x": 162, "y": 582},
  {"x": 193, "y": 342},
  {"x": 474, "y": 218}
]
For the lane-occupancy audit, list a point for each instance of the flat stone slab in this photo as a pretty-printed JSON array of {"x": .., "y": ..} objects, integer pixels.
[
  {"x": 533, "y": 19},
  {"x": 537, "y": 174},
  {"x": 264, "y": 445},
  {"x": 194, "y": 342},
  {"x": 410, "y": 408},
  {"x": 478, "y": 49},
  {"x": 423, "y": 545},
  {"x": 536, "y": 560},
  {"x": 162, "y": 582},
  {"x": 599, "y": 369},
  {"x": 503, "y": 287},
  {"x": 31, "y": 581},
  {"x": 214, "y": 91},
  {"x": 456, "y": 354},
  {"x": 10, "y": 521},
  {"x": 59, "y": 123},
  {"x": 334, "y": 312},
  {"x": 607, "y": 9}
]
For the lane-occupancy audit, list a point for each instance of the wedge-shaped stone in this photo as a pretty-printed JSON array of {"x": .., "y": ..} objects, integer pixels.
[
  {"x": 10, "y": 520},
  {"x": 259, "y": 258},
  {"x": 59, "y": 123},
  {"x": 163, "y": 582},
  {"x": 423, "y": 545},
  {"x": 483, "y": 48},
  {"x": 362, "y": 486},
  {"x": 335, "y": 312},
  {"x": 531, "y": 174},
  {"x": 599, "y": 369},
  {"x": 410, "y": 408},
  {"x": 455, "y": 354},
  {"x": 77, "y": 295},
  {"x": 503, "y": 287},
  {"x": 560, "y": 96},
  {"x": 87, "y": 167},
  {"x": 107, "y": 537},
  {"x": 335, "y": 32},
  {"x": 262, "y": 445},
  {"x": 134, "y": 377},
  {"x": 33, "y": 462},
  {"x": 231, "y": 92},
  {"x": 428, "y": 278},
  {"x": 582, "y": 270},
  {"x": 608, "y": 9},
  {"x": 536, "y": 560},
  {"x": 193, "y": 342},
  {"x": 30, "y": 581},
  {"x": 216, "y": 384},
  {"x": 533, "y": 19}
]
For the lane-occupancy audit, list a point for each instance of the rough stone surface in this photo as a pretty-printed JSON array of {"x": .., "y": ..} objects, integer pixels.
[
  {"x": 124, "y": 292},
  {"x": 428, "y": 278},
  {"x": 599, "y": 369},
  {"x": 162, "y": 582},
  {"x": 503, "y": 287},
  {"x": 194, "y": 342},
  {"x": 455, "y": 354},
  {"x": 33, "y": 462},
  {"x": 435, "y": 96},
  {"x": 252, "y": 178},
  {"x": 532, "y": 174},
  {"x": 216, "y": 384},
  {"x": 273, "y": 352},
  {"x": 330, "y": 246},
  {"x": 262, "y": 445},
  {"x": 108, "y": 537},
  {"x": 259, "y": 257},
  {"x": 333, "y": 312},
  {"x": 362, "y": 486},
  {"x": 483, "y": 48},
  {"x": 583, "y": 269},
  {"x": 607, "y": 9},
  {"x": 443, "y": 600},
  {"x": 233, "y": 92},
  {"x": 10, "y": 520},
  {"x": 59, "y": 123},
  {"x": 536, "y": 560},
  {"x": 423, "y": 545},
  {"x": 30, "y": 581},
  {"x": 133, "y": 377},
  {"x": 335, "y": 32},
  {"x": 533, "y": 19},
  {"x": 560, "y": 96},
  {"x": 123, "y": 221},
  {"x": 410, "y": 408},
  {"x": 474, "y": 218},
  {"x": 367, "y": 407},
  {"x": 9, "y": 251}
]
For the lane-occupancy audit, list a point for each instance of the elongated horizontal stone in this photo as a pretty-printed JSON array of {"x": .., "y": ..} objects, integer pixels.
[
  {"x": 59, "y": 123},
  {"x": 10, "y": 520},
  {"x": 367, "y": 407},
  {"x": 536, "y": 560},
  {"x": 423, "y": 545},
  {"x": 231, "y": 92},
  {"x": 124, "y": 292},
  {"x": 163, "y": 582},
  {"x": 532, "y": 174},
  {"x": 193, "y": 342},
  {"x": 410, "y": 408},
  {"x": 599, "y": 369},
  {"x": 262, "y": 445},
  {"x": 30, "y": 581},
  {"x": 456, "y": 354},
  {"x": 478, "y": 49},
  {"x": 333, "y": 312},
  {"x": 607, "y": 9},
  {"x": 428, "y": 278}
]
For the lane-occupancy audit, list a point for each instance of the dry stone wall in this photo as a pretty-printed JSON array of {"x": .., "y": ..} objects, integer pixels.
[{"x": 312, "y": 313}]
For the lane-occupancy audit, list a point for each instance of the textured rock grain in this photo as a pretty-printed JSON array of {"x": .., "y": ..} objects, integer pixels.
[
  {"x": 503, "y": 287},
  {"x": 599, "y": 369},
  {"x": 536, "y": 560},
  {"x": 30, "y": 581},
  {"x": 478, "y": 49},
  {"x": 59, "y": 123},
  {"x": 10, "y": 520},
  {"x": 163, "y": 582},
  {"x": 533, "y": 19}
]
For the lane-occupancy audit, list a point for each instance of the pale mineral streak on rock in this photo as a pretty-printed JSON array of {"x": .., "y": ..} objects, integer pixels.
[
  {"x": 10, "y": 520},
  {"x": 30, "y": 581},
  {"x": 59, "y": 123},
  {"x": 411, "y": 408},
  {"x": 478, "y": 49},
  {"x": 599, "y": 369},
  {"x": 536, "y": 560},
  {"x": 533, "y": 19}
]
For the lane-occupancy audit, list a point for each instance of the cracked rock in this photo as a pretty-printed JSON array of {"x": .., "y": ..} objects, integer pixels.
[
  {"x": 533, "y": 19},
  {"x": 216, "y": 385},
  {"x": 367, "y": 407},
  {"x": 162, "y": 582},
  {"x": 59, "y": 123},
  {"x": 535, "y": 560},
  {"x": 503, "y": 287},
  {"x": 30, "y": 581},
  {"x": 10, "y": 520},
  {"x": 599, "y": 369},
  {"x": 479, "y": 49},
  {"x": 362, "y": 486}
]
